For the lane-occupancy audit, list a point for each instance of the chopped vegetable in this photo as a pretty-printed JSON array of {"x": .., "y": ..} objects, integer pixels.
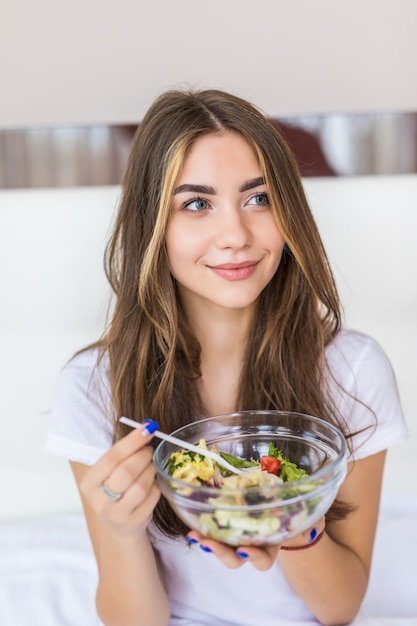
[
  {"x": 237, "y": 461},
  {"x": 270, "y": 464},
  {"x": 288, "y": 470},
  {"x": 192, "y": 467}
]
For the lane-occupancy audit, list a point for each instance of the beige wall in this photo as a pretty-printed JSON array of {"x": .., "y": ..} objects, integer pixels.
[{"x": 103, "y": 61}]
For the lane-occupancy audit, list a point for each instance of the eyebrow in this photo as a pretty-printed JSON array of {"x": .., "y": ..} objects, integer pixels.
[
  {"x": 250, "y": 184},
  {"x": 195, "y": 188}
]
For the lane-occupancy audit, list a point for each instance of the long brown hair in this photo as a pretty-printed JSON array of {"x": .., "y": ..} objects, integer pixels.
[{"x": 154, "y": 357}]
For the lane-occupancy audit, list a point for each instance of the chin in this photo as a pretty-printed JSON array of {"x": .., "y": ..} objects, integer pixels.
[{"x": 237, "y": 304}]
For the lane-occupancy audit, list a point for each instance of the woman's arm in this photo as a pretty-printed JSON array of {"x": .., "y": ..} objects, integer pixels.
[
  {"x": 130, "y": 589},
  {"x": 331, "y": 577}
]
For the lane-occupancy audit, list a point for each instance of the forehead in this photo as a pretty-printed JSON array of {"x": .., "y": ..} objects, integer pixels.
[{"x": 218, "y": 154}]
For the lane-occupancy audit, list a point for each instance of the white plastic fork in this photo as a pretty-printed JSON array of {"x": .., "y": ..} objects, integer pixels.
[{"x": 189, "y": 446}]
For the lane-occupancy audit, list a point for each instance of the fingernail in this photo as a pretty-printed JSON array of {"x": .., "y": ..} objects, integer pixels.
[
  {"x": 191, "y": 540},
  {"x": 150, "y": 427},
  {"x": 206, "y": 549},
  {"x": 313, "y": 535},
  {"x": 243, "y": 555}
]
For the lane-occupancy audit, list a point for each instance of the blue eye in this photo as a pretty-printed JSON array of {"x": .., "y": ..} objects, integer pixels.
[
  {"x": 196, "y": 205},
  {"x": 259, "y": 199}
]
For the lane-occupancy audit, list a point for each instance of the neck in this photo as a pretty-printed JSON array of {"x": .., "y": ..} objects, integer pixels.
[
  {"x": 221, "y": 332},
  {"x": 222, "y": 335}
]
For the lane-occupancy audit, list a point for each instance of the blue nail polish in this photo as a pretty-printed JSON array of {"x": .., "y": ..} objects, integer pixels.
[
  {"x": 151, "y": 427},
  {"x": 191, "y": 540},
  {"x": 206, "y": 549},
  {"x": 243, "y": 555},
  {"x": 313, "y": 535}
]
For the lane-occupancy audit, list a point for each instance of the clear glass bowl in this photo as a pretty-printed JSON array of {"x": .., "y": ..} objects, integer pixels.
[{"x": 259, "y": 515}]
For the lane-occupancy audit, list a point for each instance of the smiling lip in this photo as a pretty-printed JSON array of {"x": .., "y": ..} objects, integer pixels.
[{"x": 235, "y": 271}]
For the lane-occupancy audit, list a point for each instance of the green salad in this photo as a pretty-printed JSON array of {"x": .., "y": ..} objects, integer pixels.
[
  {"x": 195, "y": 468},
  {"x": 243, "y": 516}
]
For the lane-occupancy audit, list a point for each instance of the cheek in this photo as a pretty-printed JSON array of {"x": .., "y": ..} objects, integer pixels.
[
  {"x": 179, "y": 247},
  {"x": 279, "y": 246},
  {"x": 272, "y": 238},
  {"x": 276, "y": 245},
  {"x": 185, "y": 243}
]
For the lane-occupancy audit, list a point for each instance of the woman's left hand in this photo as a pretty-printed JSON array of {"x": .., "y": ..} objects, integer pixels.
[{"x": 261, "y": 557}]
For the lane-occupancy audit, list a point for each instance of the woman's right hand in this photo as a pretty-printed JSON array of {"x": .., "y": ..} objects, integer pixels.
[{"x": 121, "y": 486}]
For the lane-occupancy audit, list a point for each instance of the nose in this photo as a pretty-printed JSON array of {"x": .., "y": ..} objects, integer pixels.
[{"x": 233, "y": 229}]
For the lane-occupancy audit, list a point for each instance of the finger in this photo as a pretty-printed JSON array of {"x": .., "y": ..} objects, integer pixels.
[
  {"x": 120, "y": 451},
  {"x": 128, "y": 445},
  {"x": 135, "y": 508},
  {"x": 262, "y": 559},
  {"x": 227, "y": 554},
  {"x": 127, "y": 473},
  {"x": 308, "y": 536},
  {"x": 138, "y": 490},
  {"x": 143, "y": 514},
  {"x": 131, "y": 522}
]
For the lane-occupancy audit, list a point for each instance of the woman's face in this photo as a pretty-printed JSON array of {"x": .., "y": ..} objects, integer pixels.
[{"x": 222, "y": 240}]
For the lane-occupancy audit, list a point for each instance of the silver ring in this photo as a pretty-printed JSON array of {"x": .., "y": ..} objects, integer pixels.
[{"x": 113, "y": 495}]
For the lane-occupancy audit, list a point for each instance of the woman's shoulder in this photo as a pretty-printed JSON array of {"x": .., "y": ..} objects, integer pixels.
[
  {"x": 352, "y": 340},
  {"x": 350, "y": 349},
  {"x": 366, "y": 392},
  {"x": 86, "y": 369},
  {"x": 360, "y": 365},
  {"x": 86, "y": 360},
  {"x": 81, "y": 426}
]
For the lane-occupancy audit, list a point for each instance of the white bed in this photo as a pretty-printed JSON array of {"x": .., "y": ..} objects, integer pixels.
[
  {"x": 48, "y": 574},
  {"x": 52, "y": 271}
]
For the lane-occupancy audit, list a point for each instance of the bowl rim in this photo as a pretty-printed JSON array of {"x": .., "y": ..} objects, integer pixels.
[{"x": 329, "y": 468}]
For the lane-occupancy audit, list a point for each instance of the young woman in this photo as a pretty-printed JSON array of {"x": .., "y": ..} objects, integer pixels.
[{"x": 224, "y": 301}]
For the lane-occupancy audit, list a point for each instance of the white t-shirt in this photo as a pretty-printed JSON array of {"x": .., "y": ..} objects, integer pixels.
[{"x": 202, "y": 591}]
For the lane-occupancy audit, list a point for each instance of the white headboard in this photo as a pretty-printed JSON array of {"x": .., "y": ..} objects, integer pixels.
[{"x": 54, "y": 298}]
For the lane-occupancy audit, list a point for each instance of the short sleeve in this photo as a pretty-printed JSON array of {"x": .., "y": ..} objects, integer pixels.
[
  {"x": 366, "y": 393},
  {"x": 80, "y": 427}
]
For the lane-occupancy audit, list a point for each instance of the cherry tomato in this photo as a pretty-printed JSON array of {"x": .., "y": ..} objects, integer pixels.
[{"x": 270, "y": 464}]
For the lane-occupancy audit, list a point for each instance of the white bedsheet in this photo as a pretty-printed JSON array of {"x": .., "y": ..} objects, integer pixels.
[{"x": 48, "y": 574}]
